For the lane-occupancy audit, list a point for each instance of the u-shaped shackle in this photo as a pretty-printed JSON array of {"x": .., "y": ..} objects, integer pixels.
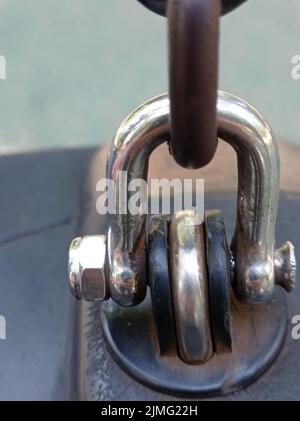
[{"x": 245, "y": 130}]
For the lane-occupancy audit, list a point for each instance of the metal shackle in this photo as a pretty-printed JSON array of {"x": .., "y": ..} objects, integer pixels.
[{"x": 256, "y": 269}]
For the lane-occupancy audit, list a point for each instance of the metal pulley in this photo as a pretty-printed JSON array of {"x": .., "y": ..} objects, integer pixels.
[{"x": 204, "y": 296}]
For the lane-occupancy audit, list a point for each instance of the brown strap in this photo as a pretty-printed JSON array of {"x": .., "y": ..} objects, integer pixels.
[{"x": 193, "y": 49}]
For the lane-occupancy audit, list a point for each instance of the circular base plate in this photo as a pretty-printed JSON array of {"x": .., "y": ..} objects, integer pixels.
[{"x": 258, "y": 333}]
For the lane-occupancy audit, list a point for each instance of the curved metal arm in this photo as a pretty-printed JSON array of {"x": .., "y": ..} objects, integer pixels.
[
  {"x": 144, "y": 130},
  {"x": 258, "y": 190},
  {"x": 257, "y": 200}
]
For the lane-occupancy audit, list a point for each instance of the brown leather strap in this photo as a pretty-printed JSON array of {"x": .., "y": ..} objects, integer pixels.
[{"x": 193, "y": 49}]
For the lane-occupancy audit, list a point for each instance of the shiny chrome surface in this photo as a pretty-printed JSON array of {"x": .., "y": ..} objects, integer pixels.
[
  {"x": 258, "y": 189},
  {"x": 257, "y": 200},
  {"x": 285, "y": 266},
  {"x": 257, "y": 267},
  {"x": 144, "y": 130},
  {"x": 87, "y": 268},
  {"x": 190, "y": 287}
]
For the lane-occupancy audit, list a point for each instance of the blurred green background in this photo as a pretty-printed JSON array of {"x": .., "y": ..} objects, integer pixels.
[{"x": 76, "y": 68}]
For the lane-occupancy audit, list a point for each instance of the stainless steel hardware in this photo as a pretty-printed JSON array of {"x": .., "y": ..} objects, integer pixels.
[
  {"x": 257, "y": 267},
  {"x": 210, "y": 327},
  {"x": 190, "y": 288}
]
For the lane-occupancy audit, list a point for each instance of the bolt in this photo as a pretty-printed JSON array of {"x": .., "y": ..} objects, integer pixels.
[
  {"x": 87, "y": 268},
  {"x": 285, "y": 266},
  {"x": 88, "y": 278}
]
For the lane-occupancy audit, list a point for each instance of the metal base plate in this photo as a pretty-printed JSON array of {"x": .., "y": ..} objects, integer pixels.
[{"x": 258, "y": 334}]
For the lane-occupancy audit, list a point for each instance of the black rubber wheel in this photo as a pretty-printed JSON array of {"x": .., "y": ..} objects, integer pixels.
[
  {"x": 160, "y": 284},
  {"x": 218, "y": 268}
]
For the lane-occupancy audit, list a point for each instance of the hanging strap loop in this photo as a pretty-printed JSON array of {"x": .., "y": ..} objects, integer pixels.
[{"x": 193, "y": 76}]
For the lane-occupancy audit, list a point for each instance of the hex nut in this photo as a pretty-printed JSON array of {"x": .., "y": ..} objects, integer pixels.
[{"x": 87, "y": 268}]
